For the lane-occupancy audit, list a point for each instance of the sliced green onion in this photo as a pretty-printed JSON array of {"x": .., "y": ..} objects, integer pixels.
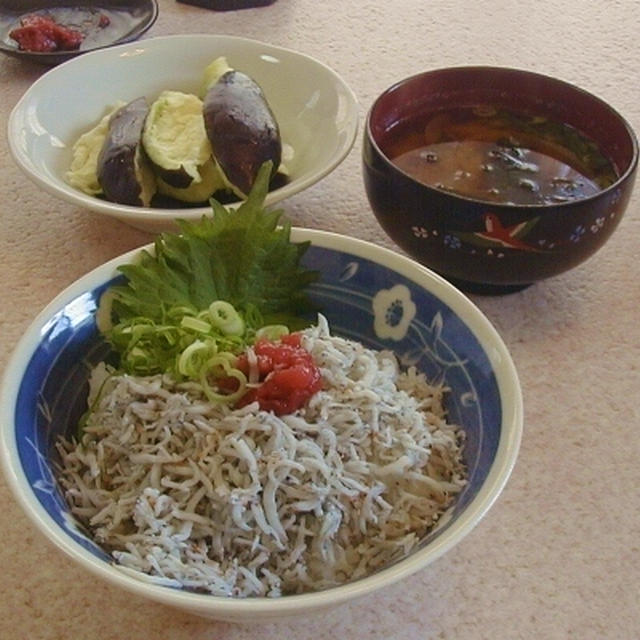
[
  {"x": 184, "y": 342},
  {"x": 195, "y": 324},
  {"x": 252, "y": 316},
  {"x": 225, "y": 318},
  {"x": 104, "y": 320},
  {"x": 82, "y": 423},
  {"x": 177, "y": 311},
  {"x": 272, "y": 332},
  {"x": 192, "y": 360},
  {"x": 222, "y": 361}
]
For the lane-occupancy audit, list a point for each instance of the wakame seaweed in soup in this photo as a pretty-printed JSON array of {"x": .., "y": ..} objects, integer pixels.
[{"x": 499, "y": 155}]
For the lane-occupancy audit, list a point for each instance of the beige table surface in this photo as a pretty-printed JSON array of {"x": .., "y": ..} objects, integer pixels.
[{"x": 558, "y": 555}]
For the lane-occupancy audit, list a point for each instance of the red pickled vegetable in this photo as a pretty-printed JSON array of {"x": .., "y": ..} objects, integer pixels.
[
  {"x": 288, "y": 375},
  {"x": 42, "y": 34}
]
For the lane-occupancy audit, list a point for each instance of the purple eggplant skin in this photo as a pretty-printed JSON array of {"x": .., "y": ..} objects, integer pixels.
[
  {"x": 118, "y": 173},
  {"x": 242, "y": 129}
]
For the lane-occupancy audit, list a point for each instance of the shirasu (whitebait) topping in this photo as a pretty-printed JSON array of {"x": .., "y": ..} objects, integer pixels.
[{"x": 245, "y": 503}]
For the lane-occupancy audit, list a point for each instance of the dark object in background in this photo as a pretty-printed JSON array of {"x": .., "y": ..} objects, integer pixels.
[{"x": 227, "y": 5}]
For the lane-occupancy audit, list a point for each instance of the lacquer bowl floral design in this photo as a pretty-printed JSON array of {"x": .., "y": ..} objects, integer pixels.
[
  {"x": 368, "y": 293},
  {"x": 480, "y": 246}
]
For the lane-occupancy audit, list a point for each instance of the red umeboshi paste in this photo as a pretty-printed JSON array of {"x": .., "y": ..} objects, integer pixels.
[
  {"x": 42, "y": 34},
  {"x": 288, "y": 377}
]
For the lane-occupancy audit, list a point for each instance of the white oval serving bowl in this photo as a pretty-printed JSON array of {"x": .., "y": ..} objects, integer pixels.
[
  {"x": 315, "y": 109},
  {"x": 449, "y": 339}
]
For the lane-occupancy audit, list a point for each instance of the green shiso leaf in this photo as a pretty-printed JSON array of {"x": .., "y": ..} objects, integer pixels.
[{"x": 244, "y": 257}]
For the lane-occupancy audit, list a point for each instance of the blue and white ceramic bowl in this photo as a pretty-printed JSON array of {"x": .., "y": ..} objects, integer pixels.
[{"x": 366, "y": 292}]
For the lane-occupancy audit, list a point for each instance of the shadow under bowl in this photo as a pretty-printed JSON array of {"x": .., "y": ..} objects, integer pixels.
[{"x": 481, "y": 246}]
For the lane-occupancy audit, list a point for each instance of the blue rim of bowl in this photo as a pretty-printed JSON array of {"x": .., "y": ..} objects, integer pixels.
[{"x": 505, "y": 454}]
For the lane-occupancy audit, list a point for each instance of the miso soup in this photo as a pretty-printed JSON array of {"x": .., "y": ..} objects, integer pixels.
[{"x": 500, "y": 156}]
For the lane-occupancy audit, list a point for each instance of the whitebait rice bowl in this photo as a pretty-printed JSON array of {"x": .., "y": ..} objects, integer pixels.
[{"x": 242, "y": 502}]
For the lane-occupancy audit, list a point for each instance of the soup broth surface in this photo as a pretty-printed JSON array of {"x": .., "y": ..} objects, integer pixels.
[{"x": 500, "y": 156}]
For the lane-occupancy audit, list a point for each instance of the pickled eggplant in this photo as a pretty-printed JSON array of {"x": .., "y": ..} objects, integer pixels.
[
  {"x": 212, "y": 73},
  {"x": 196, "y": 192},
  {"x": 175, "y": 139},
  {"x": 189, "y": 148},
  {"x": 83, "y": 172},
  {"x": 241, "y": 128},
  {"x": 123, "y": 169}
]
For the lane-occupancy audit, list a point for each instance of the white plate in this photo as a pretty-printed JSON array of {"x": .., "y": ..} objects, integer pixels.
[{"x": 316, "y": 111}]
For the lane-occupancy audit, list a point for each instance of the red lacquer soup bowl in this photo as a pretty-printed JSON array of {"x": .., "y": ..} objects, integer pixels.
[{"x": 482, "y": 245}]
